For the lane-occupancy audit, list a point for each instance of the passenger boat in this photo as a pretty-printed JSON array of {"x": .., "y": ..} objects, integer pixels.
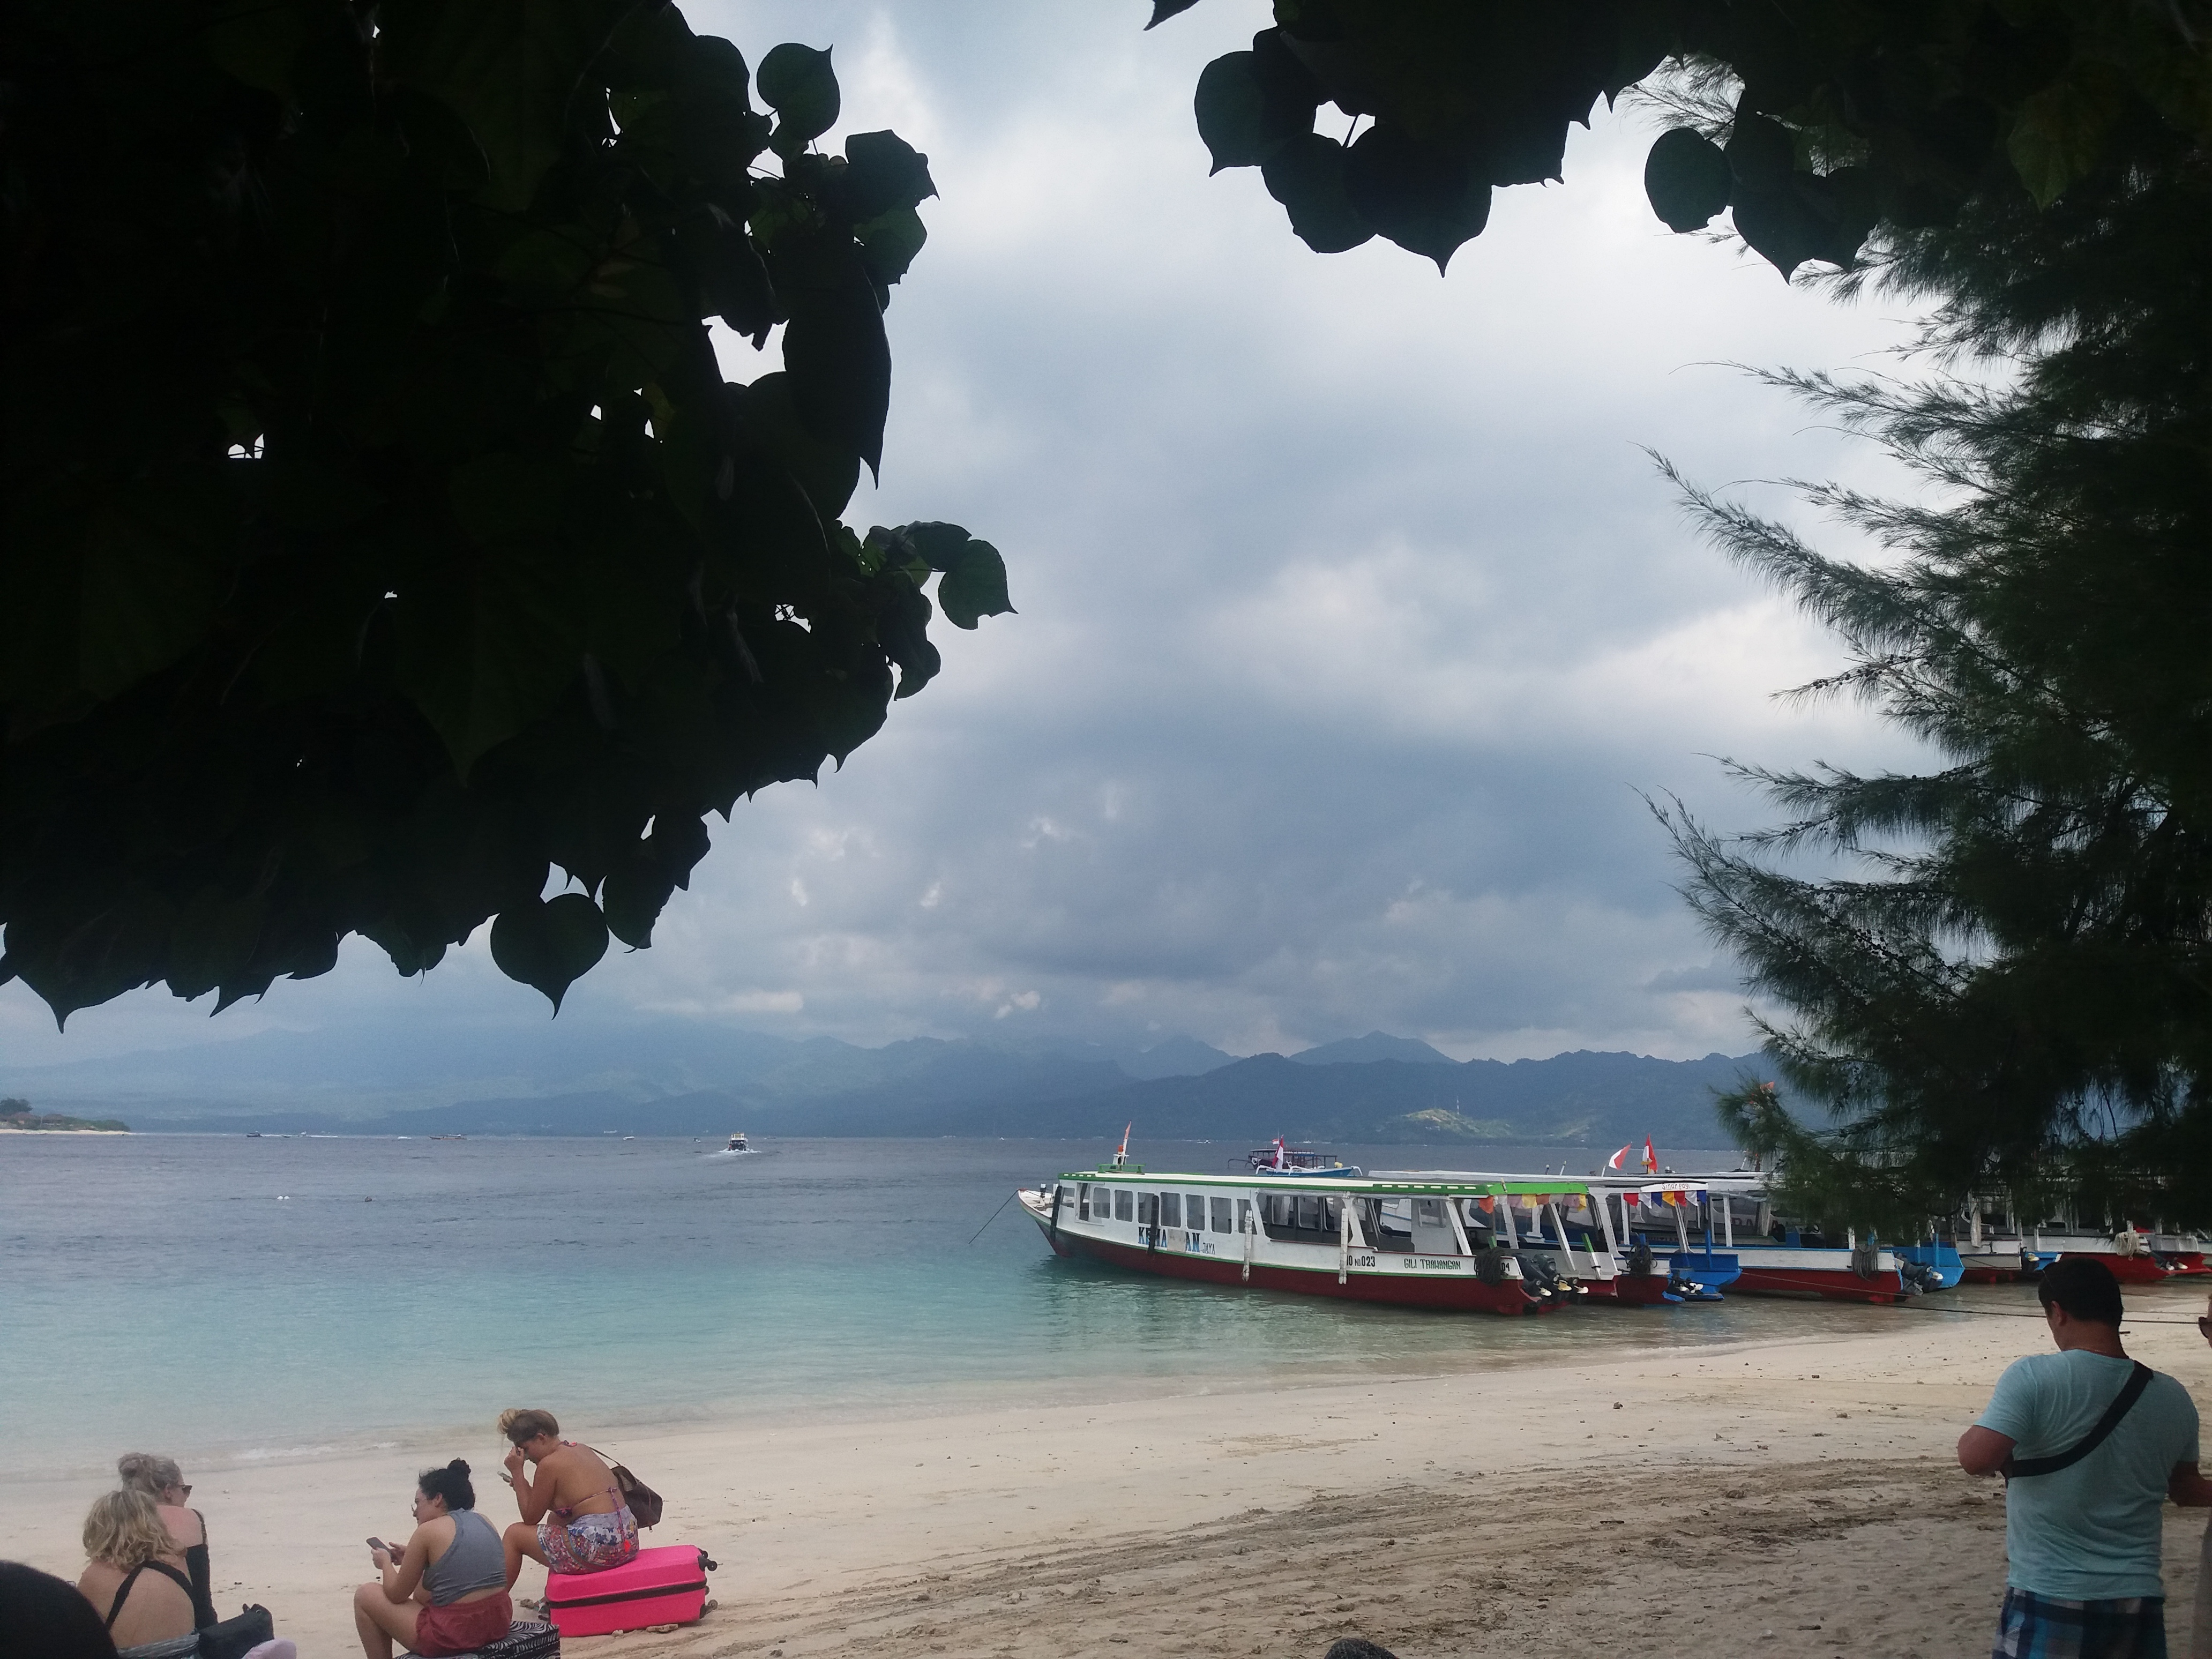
[
  {"x": 2134, "y": 1256},
  {"x": 1414, "y": 1243},
  {"x": 1572, "y": 1226},
  {"x": 738, "y": 1143},
  {"x": 1792, "y": 1265}
]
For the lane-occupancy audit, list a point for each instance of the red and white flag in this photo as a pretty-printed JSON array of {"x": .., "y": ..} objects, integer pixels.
[
  {"x": 1621, "y": 1157},
  {"x": 1650, "y": 1157}
]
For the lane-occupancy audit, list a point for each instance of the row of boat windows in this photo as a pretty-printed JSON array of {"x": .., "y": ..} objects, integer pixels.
[
  {"x": 1218, "y": 1215},
  {"x": 1199, "y": 1212}
]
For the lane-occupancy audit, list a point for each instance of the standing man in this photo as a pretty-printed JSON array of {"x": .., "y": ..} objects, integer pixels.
[
  {"x": 2091, "y": 1445},
  {"x": 2200, "y": 1631}
]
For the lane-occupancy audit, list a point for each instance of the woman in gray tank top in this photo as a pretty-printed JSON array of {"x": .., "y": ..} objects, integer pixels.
[{"x": 446, "y": 1592}]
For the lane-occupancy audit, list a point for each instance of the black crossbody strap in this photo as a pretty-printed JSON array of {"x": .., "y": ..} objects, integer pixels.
[{"x": 2123, "y": 1403}]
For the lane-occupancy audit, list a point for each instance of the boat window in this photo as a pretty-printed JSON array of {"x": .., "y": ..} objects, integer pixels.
[
  {"x": 1148, "y": 1209},
  {"x": 1221, "y": 1215},
  {"x": 1170, "y": 1209},
  {"x": 1083, "y": 1201},
  {"x": 1244, "y": 1215},
  {"x": 1309, "y": 1216},
  {"x": 1193, "y": 1207},
  {"x": 1121, "y": 1207},
  {"x": 1430, "y": 1211}
]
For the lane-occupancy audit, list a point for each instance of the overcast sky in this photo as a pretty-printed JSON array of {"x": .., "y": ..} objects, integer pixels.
[{"x": 1352, "y": 616}]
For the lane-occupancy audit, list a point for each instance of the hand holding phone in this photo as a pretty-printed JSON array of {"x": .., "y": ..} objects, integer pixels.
[{"x": 379, "y": 1544}]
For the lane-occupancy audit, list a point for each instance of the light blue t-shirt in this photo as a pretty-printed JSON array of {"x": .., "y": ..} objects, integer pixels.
[{"x": 2091, "y": 1533}]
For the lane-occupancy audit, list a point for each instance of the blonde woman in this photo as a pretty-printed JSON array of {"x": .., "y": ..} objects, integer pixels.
[
  {"x": 573, "y": 1519},
  {"x": 146, "y": 1603},
  {"x": 160, "y": 1479}
]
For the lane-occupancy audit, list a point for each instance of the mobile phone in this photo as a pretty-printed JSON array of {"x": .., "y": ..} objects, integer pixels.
[{"x": 378, "y": 1544}]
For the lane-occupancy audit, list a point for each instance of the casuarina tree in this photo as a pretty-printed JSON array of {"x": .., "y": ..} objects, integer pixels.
[{"x": 1999, "y": 966}]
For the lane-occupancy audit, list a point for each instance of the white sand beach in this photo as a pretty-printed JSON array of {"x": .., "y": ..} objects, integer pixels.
[{"x": 1790, "y": 1498}]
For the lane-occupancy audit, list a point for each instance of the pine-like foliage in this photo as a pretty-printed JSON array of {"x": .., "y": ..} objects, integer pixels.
[{"x": 2008, "y": 971}]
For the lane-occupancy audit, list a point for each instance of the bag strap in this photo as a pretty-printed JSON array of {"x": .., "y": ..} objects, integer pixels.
[{"x": 2123, "y": 1403}]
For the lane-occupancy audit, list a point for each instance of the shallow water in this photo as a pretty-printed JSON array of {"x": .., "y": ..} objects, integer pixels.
[{"x": 222, "y": 1297}]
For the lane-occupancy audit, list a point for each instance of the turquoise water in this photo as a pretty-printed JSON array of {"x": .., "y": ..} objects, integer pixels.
[{"x": 218, "y": 1296}]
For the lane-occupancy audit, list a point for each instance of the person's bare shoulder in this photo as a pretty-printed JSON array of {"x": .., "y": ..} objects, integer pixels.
[{"x": 184, "y": 1526}]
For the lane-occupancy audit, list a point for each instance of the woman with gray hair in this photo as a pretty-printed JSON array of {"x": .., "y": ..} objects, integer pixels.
[
  {"x": 146, "y": 1603},
  {"x": 160, "y": 1479}
]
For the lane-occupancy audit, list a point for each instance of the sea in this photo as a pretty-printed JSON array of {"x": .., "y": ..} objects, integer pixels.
[{"x": 234, "y": 1298}]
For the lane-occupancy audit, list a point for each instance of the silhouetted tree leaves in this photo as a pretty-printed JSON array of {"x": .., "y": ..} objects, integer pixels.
[
  {"x": 1926, "y": 104},
  {"x": 380, "y": 533}
]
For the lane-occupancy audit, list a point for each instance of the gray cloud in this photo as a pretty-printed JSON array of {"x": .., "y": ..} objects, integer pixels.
[{"x": 1352, "y": 615}]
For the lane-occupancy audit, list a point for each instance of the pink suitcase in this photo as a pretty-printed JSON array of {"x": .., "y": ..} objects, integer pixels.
[{"x": 664, "y": 1585}]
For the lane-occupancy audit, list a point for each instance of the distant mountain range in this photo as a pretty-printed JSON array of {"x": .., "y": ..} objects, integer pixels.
[{"x": 682, "y": 1078}]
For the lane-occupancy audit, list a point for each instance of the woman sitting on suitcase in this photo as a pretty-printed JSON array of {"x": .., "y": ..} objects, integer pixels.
[
  {"x": 574, "y": 1518},
  {"x": 446, "y": 1592}
]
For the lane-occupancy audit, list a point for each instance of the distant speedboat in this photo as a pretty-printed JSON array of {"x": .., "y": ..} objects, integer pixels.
[{"x": 738, "y": 1143}]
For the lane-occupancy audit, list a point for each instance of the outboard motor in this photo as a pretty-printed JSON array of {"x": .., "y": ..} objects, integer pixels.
[{"x": 1540, "y": 1273}]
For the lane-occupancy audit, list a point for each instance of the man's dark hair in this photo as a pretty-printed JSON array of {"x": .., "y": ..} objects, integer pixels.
[
  {"x": 2084, "y": 1286},
  {"x": 44, "y": 1615}
]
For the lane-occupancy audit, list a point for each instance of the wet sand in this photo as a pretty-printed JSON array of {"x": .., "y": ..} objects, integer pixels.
[{"x": 1790, "y": 1498}]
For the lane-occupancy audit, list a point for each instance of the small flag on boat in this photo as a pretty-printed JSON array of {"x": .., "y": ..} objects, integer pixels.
[
  {"x": 1650, "y": 1157},
  {"x": 1621, "y": 1157}
]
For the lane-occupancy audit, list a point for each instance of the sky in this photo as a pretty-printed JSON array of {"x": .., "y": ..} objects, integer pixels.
[{"x": 1355, "y": 623}]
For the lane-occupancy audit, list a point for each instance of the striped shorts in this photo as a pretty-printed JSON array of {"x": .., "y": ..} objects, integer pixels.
[{"x": 2032, "y": 1626}]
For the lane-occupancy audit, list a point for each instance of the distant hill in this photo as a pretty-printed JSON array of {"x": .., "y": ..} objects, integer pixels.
[
  {"x": 1582, "y": 1098},
  {"x": 1376, "y": 1045},
  {"x": 684, "y": 1078}
]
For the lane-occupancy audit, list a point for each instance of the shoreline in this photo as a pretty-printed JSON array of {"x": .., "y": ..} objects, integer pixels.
[{"x": 1024, "y": 1524}]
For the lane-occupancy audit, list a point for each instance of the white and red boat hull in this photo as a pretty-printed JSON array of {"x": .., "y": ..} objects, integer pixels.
[{"x": 1443, "y": 1282}]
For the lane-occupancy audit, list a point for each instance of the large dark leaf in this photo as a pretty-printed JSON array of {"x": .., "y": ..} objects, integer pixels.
[
  {"x": 550, "y": 945},
  {"x": 800, "y": 85},
  {"x": 1306, "y": 176},
  {"x": 835, "y": 351},
  {"x": 1685, "y": 179},
  {"x": 974, "y": 587},
  {"x": 1426, "y": 199}
]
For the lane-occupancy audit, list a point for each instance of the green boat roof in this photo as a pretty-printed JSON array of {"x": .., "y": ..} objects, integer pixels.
[{"x": 1324, "y": 1185}]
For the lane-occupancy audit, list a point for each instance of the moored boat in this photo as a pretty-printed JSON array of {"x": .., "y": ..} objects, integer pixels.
[
  {"x": 1791, "y": 1264},
  {"x": 1420, "y": 1243},
  {"x": 1586, "y": 1232}
]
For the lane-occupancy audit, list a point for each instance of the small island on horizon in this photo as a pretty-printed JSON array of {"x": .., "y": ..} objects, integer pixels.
[{"x": 16, "y": 1117}]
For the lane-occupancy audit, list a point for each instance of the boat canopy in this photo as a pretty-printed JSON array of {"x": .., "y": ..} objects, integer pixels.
[{"x": 1412, "y": 1186}]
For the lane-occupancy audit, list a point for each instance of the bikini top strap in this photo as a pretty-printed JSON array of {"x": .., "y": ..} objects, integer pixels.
[
  {"x": 123, "y": 1594},
  {"x": 123, "y": 1591}
]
